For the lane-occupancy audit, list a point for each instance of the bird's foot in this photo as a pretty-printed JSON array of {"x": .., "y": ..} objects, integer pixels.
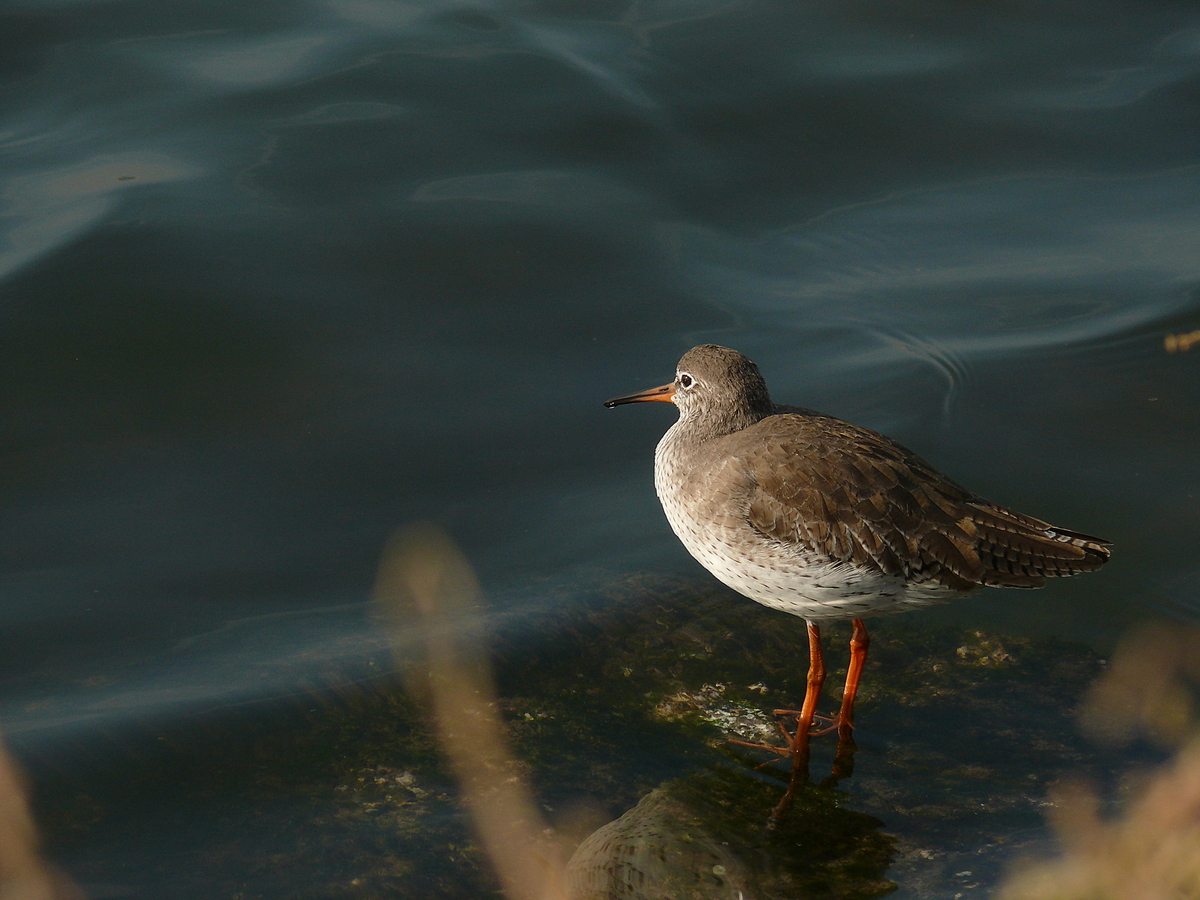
[
  {"x": 843, "y": 726},
  {"x": 830, "y": 723},
  {"x": 783, "y": 752},
  {"x": 793, "y": 738}
]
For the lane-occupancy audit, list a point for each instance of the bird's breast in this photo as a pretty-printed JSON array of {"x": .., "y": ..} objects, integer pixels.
[{"x": 706, "y": 496}]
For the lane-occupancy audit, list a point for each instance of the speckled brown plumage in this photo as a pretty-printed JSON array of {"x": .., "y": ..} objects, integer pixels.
[
  {"x": 826, "y": 520},
  {"x": 858, "y": 496}
]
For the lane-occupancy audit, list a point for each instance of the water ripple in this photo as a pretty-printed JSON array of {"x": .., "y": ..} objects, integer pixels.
[
  {"x": 985, "y": 268},
  {"x": 49, "y": 207}
]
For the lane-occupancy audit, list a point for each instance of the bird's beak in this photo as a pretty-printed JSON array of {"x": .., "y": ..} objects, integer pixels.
[{"x": 665, "y": 393}]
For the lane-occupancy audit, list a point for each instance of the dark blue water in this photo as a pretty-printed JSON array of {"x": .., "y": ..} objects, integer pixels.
[{"x": 279, "y": 277}]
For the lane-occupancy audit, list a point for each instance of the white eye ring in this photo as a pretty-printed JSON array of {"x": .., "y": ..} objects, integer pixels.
[{"x": 686, "y": 380}]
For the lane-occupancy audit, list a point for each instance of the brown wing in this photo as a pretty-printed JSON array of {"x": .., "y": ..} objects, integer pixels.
[{"x": 863, "y": 498}]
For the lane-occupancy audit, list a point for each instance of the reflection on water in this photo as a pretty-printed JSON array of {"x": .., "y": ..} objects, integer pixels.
[
  {"x": 244, "y": 64},
  {"x": 1047, "y": 259},
  {"x": 48, "y": 209}
]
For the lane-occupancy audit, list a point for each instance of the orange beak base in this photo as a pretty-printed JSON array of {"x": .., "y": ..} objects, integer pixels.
[{"x": 665, "y": 393}]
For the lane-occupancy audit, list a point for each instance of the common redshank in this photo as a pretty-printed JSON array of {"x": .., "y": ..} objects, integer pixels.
[{"x": 826, "y": 520}]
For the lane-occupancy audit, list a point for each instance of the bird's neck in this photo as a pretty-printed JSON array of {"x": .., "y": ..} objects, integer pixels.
[{"x": 700, "y": 428}]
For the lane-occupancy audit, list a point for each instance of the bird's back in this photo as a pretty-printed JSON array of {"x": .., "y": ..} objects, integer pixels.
[{"x": 867, "y": 499}]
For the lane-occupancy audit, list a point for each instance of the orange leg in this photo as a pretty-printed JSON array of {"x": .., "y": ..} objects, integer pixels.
[
  {"x": 860, "y": 643},
  {"x": 799, "y": 742},
  {"x": 843, "y": 722},
  {"x": 812, "y": 694}
]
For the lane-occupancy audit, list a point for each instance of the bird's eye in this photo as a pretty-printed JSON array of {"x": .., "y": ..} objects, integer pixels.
[{"x": 686, "y": 380}]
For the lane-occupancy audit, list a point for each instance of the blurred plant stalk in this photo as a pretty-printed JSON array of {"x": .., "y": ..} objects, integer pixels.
[
  {"x": 426, "y": 583},
  {"x": 1151, "y": 851},
  {"x": 24, "y": 875}
]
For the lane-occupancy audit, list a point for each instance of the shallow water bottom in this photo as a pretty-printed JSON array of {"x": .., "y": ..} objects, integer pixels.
[{"x": 624, "y": 705}]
